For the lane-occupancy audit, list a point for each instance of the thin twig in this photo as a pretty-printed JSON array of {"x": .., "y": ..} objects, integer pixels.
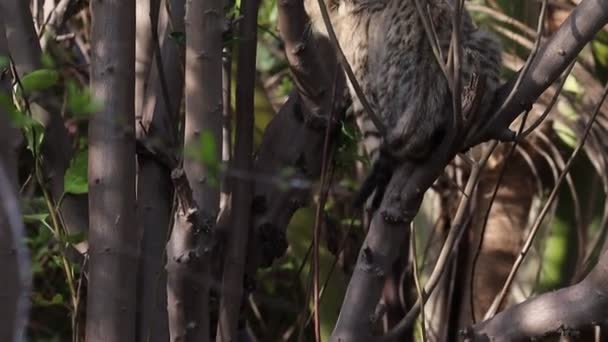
[
  {"x": 539, "y": 219},
  {"x": 455, "y": 233},
  {"x": 327, "y": 144},
  {"x": 417, "y": 279},
  {"x": 544, "y": 115},
  {"x": 349, "y": 71},
  {"x": 525, "y": 69},
  {"x": 484, "y": 225},
  {"x": 431, "y": 35}
]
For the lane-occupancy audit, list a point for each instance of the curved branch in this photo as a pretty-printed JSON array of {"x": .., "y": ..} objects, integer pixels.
[
  {"x": 555, "y": 56},
  {"x": 574, "y": 308}
]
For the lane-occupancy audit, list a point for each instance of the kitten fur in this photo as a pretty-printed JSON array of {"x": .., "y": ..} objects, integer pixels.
[{"x": 387, "y": 48}]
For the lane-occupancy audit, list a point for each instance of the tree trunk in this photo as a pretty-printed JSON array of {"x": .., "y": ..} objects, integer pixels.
[
  {"x": 188, "y": 262},
  {"x": 241, "y": 215},
  {"x": 158, "y": 125},
  {"x": 113, "y": 234},
  {"x": 13, "y": 312}
]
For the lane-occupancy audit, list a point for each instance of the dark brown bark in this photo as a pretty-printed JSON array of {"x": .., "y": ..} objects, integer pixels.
[
  {"x": 156, "y": 129},
  {"x": 188, "y": 263},
  {"x": 113, "y": 236},
  {"x": 56, "y": 147},
  {"x": 15, "y": 293},
  {"x": 300, "y": 122},
  {"x": 242, "y": 195}
]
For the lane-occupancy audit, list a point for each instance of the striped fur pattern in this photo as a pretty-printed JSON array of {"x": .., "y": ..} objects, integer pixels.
[{"x": 385, "y": 43}]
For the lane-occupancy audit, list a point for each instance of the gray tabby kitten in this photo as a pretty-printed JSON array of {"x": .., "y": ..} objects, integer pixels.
[{"x": 385, "y": 43}]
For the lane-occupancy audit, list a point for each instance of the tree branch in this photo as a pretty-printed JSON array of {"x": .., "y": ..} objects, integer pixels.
[
  {"x": 410, "y": 181},
  {"x": 577, "y": 307},
  {"x": 554, "y": 57}
]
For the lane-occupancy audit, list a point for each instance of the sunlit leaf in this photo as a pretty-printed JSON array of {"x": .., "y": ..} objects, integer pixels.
[
  {"x": 80, "y": 101},
  {"x": 573, "y": 86},
  {"x": 76, "y": 175},
  {"x": 565, "y": 133}
]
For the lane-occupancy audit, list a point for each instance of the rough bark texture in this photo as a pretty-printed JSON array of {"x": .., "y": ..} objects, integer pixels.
[
  {"x": 189, "y": 277},
  {"x": 240, "y": 220},
  {"x": 113, "y": 235},
  {"x": 11, "y": 329},
  {"x": 156, "y": 130}
]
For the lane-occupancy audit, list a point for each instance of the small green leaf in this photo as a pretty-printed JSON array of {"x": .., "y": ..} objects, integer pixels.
[
  {"x": 47, "y": 61},
  {"x": 75, "y": 238},
  {"x": 76, "y": 175},
  {"x": 18, "y": 118},
  {"x": 4, "y": 62},
  {"x": 179, "y": 37},
  {"x": 572, "y": 85},
  {"x": 34, "y": 218},
  {"x": 57, "y": 299},
  {"x": 81, "y": 101},
  {"x": 565, "y": 133},
  {"x": 40, "y": 79},
  {"x": 208, "y": 149},
  {"x": 209, "y": 157}
]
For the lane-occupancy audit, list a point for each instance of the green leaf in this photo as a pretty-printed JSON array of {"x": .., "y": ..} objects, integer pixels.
[
  {"x": 76, "y": 175},
  {"x": 47, "y": 61},
  {"x": 572, "y": 85},
  {"x": 565, "y": 133},
  {"x": 40, "y": 79},
  {"x": 75, "y": 238},
  {"x": 209, "y": 157},
  {"x": 179, "y": 37},
  {"x": 18, "y": 118},
  {"x": 4, "y": 62},
  {"x": 57, "y": 299},
  {"x": 81, "y": 101},
  {"x": 34, "y": 218}
]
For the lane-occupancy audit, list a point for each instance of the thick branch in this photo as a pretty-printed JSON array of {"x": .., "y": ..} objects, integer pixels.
[
  {"x": 300, "y": 122},
  {"x": 553, "y": 58},
  {"x": 409, "y": 183},
  {"x": 155, "y": 129},
  {"x": 188, "y": 261},
  {"x": 113, "y": 238},
  {"x": 14, "y": 259},
  {"x": 578, "y": 307}
]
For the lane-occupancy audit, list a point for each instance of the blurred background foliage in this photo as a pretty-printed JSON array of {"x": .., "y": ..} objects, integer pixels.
[{"x": 571, "y": 237}]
